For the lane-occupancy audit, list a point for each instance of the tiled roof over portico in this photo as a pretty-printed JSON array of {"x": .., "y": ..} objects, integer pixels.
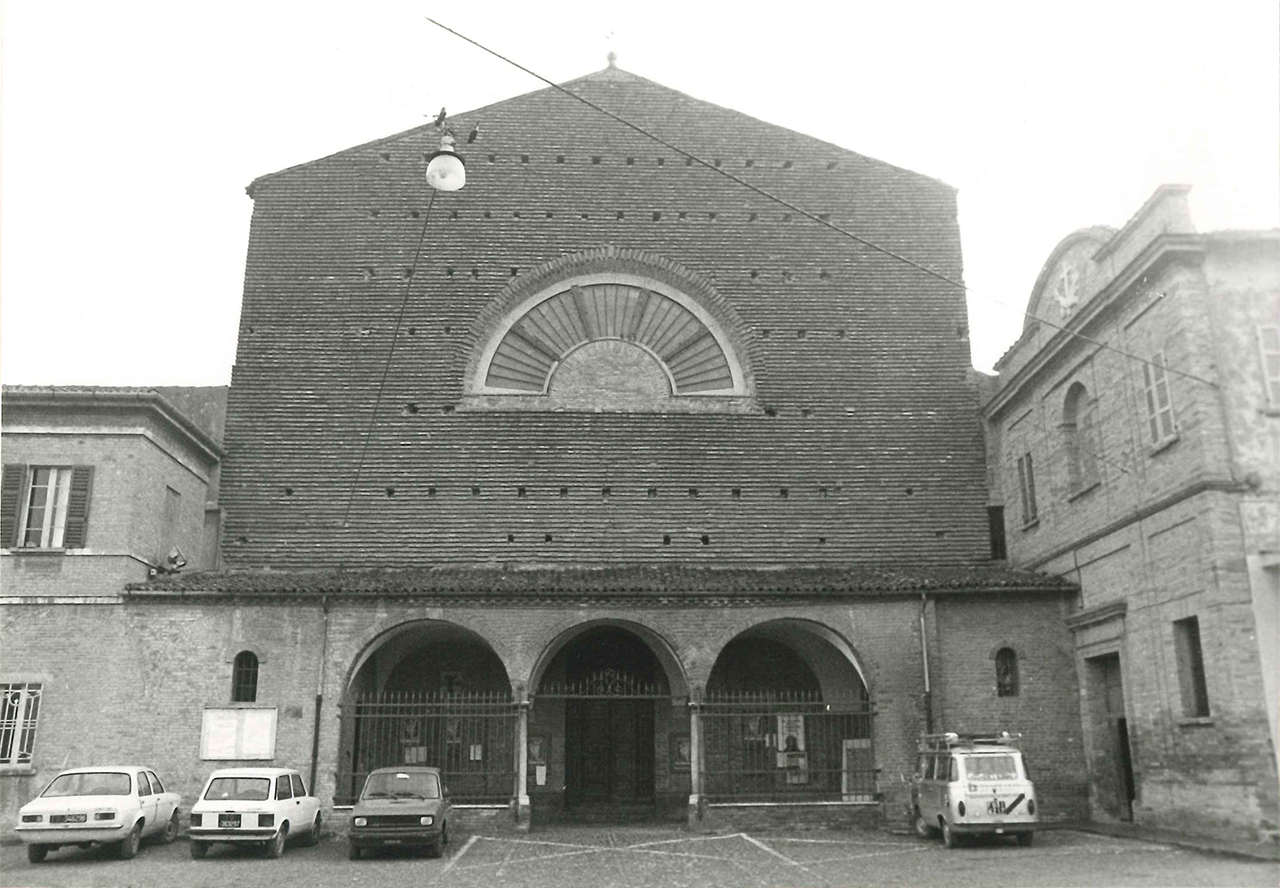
[{"x": 608, "y": 582}]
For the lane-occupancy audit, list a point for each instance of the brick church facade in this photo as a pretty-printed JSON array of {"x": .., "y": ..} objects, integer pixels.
[{"x": 607, "y": 484}]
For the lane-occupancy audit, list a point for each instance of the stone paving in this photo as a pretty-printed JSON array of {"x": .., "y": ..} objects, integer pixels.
[{"x": 622, "y": 857}]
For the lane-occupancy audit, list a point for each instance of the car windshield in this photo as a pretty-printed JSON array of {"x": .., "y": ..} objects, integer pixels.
[
  {"x": 244, "y": 789},
  {"x": 991, "y": 767},
  {"x": 94, "y": 783},
  {"x": 402, "y": 785}
]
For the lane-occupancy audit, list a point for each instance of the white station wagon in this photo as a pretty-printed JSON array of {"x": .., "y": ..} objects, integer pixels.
[
  {"x": 266, "y": 806},
  {"x": 121, "y": 804}
]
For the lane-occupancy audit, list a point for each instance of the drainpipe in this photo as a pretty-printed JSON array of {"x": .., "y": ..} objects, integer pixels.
[
  {"x": 924, "y": 658},
  {"x": 315, "y": 733}
]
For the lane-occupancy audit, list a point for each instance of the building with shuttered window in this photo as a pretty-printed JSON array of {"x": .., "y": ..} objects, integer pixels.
[
  {"x": 609, "y": 485},
  {"x": 1148, "y": 471}
]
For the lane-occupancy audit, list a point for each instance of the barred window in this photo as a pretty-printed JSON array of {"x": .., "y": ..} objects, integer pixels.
[
  {"x": 244, "y": 678},
  {"x": 19, "y": 713},
  {"x": 1006, "y": 673}
]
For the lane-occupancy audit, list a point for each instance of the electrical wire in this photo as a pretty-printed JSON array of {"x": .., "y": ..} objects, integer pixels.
[
  {"x": 814, "y": 217},
  {"x": 386, "y": 368}
]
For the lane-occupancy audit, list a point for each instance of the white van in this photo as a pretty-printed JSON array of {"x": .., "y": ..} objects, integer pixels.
[{"x": 969, "y": 784}]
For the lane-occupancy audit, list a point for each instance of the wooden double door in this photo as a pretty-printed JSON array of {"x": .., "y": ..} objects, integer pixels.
[{"x": 609, "y": 750}]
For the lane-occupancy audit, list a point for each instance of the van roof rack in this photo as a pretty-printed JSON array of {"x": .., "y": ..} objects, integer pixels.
[{"x": 949, "y": 739}]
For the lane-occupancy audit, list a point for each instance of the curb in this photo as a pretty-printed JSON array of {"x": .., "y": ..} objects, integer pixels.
[{"x": 1243, "y": 850}]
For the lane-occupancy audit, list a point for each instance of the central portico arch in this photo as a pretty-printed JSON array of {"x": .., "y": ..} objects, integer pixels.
[{"x": 608, "y": 701}]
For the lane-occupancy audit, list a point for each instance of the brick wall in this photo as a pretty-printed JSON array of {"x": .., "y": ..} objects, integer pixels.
[
  {"x": 131, "y": 471},
  {"x": 859, "y": 361},
  {"x": 1170, "y": 529},
  {"x": 130, "y": 680}
]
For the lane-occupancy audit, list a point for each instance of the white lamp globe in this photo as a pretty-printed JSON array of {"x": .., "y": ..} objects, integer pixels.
[{"x": 446, "y": 171}]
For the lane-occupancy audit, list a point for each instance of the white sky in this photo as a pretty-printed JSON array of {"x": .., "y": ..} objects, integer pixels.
[{"x": 130, "y": 130}]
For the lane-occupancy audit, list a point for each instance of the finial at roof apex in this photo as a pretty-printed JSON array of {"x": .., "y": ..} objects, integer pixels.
[{"x": 613, "y": 59}]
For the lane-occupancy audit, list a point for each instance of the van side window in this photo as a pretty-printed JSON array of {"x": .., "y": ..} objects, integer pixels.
[
  {"x": 955, "y": 770},
  {"x": 930, "y": 762}
]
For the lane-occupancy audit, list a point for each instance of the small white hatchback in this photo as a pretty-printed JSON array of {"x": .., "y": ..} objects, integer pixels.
[
  {"x": 266, "y": 806},
  {"x": 112, "y": 804}
]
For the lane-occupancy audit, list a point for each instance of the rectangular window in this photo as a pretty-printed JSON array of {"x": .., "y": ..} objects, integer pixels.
[
  {"x": 19, "y": 713},
  {"x": 1027, "y": 487},
  {"x": 45, "y": 507},
  {"x": 1155, "y": 379},
  {"x": 44, "y": 512},
  {"x": 1195, "y": 694},
  {"x": 1269, "y": 343},
  {"x": 995, "y": 525}
]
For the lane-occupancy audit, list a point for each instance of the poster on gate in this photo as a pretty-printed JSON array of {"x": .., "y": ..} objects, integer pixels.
[{"x": 791, "y": 751}]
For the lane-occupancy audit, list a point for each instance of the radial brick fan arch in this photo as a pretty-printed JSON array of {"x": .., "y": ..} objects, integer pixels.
[{"x": 547, "y": 332}]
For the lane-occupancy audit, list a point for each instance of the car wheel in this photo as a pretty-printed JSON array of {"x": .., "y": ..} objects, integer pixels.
[
  {"x": 434, "y": 849},
  {"x": 37, "y": 853},
  {"x": 170, "y": 830},
  {"x": 353, "y": 851},
  {"x": 199, "y": 850},
  {"x": 949, "y": 837},
  {"x": 1025, "y": 839},
  {"x": 444, "y": 833},
  {"x": 275, "y": 848},
  {"x": 923, "y": 829},
  {"x": 128, "y": 848},
  {"x": 313, "y": 837}
]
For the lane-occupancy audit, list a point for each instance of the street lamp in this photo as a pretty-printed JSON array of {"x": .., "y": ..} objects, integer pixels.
[{"x": 445, "y": 168}]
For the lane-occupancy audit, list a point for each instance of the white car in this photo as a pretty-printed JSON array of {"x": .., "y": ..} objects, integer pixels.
[
  {"x": 254, "y": 805},
  {"x": 120, "y": 804}
]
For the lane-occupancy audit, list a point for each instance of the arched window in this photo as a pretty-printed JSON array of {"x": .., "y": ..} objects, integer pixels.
[
  {"x": 244, "y": 678},
  {"x": 1079, "y": 439},
  {"x": 1006, "y": 673}
]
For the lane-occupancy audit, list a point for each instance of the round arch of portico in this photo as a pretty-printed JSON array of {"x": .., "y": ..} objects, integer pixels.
[
  {"x": 814, "y": 628},
  {"x": 560, "y": 635},
  {"x": 378, "y": 635}
]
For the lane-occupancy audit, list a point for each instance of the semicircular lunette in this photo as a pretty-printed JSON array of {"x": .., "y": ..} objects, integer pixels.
[{"x": 536, "y": 343}]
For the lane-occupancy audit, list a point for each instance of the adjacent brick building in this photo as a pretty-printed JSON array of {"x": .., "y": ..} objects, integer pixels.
[
  {"x": 609, "y": 484},
  {"x": 1134, "y": 437}
]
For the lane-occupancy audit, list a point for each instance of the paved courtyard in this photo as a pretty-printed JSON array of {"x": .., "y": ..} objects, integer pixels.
[{"x": 634, "y": 856}]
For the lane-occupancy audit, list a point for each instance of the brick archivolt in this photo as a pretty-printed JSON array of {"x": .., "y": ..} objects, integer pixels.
[{"x": 686, "y": 659}]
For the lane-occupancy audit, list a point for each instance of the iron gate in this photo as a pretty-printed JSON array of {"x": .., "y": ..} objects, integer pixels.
[
  {"x": 470, "y": 737},
  {"x": 786, "y": 747}
]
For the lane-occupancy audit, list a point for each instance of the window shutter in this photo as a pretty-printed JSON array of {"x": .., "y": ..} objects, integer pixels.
[
  {"x": 10, "y": 490},
  {"x": 78, "y": 508}
]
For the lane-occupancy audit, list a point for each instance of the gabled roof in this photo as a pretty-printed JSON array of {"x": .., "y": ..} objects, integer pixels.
[{"x": 598, "y": 87}]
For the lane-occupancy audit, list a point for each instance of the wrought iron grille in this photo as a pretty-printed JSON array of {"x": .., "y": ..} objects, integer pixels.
[
  {"x": 470, "y": 737},
  {"x": 19, "y": 714},
  {"x": 786, "y": 747},
  {"x": 606, "y": 684}
]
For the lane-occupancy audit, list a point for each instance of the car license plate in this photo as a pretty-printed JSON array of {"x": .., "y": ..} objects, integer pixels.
[{"x": 229, "y": 821}]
